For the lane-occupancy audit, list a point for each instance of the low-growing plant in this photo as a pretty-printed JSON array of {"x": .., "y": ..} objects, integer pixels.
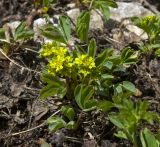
[
  {"x": 67, "y": 69},
  {"x": 89, "y": 80},
  {"x": 78, "y": 75},
  {"x": 151, "y": 26},
  {"x": 21, "y": 34},
  {"x": 130, "y": 117},
  {"x": 55, "y": 123}
]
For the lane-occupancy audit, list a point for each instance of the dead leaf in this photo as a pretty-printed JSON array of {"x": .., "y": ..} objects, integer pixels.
[
  {"x": 43, "y": 143},
  {"x": 138, "y": 93},
  {"x": 16, "y": 89}
]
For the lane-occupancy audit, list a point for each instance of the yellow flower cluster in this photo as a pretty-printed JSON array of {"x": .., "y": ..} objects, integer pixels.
[
  {"x": 60, "y": 51},
  {"x": 61, "y": 63},
  {"x": 85, "y": 64},
  {"x": 149, "y": 19},
  {"x": 47, "y": 50}
]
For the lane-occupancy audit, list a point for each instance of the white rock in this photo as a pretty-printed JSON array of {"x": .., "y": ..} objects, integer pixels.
[
  {"x": 134, "y": 29},
  {"x": 126, "y": 10},
  {"x": 73, "y": 14},
  {"x": 71, "y": 5},
  {"x": 96, "y": 19},
  {"x": 57, "y": 16}
]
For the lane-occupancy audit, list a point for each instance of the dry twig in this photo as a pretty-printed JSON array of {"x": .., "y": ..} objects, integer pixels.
[{"x": 22, "y": 67}]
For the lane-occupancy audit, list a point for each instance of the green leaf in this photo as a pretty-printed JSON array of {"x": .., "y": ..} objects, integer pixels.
[
  {"x": 129, "y": 56},
  {"x": 110, "y": 3},
  {"x": 46, "y": 3},
  {"x": 106, "y": 77},
  {"x": 121, "y": 134},
  {"x": 20, "y": 27},
  {"x": 80, "y": 49},
  {"x": 82, "y": 95},
  {"x": 108, "y": 64},
  {"x": 49, "y": 90},
  {"x": 49, "y": 78},
  {"x": 78, "y": 96},
  {"x": 22, "y": 32},
  {"x": 52, "y": 32},
  {"x": 68, "y": 112},
  {"x": 158, "y": 136},
  {"x": 105, "y": 105},
  {"x": 82, "y": 26},
  {"x": 90, "y": 105},
  {"x": 71, "y": 125},
  {"x": 118, "y": 89},
  {"x": 105, "y": 11},
  {"x": 126, "y": 53},
  {"x": 143, "y": 143},
  {"x": 92, "y": 48},
  {"x": 129, "y": 86},
  {"x": 120, "y": 68},
  {"x": 54, "y": 87},
  {"x": 65, "y": 26},
  {"x": 148, "y": 139},
  {"x": 103, "y": 6},
  {"x": 55, "y": 123},
  {"x": 24, "y": 35},
  {"x": 2, "y": 33},
  {"x": 83, "y": 92},
  {"x": 102, "y": 57},
  {"x": 117, "y": 121}
]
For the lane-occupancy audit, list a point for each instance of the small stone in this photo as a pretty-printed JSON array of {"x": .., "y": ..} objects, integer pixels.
[
  {"x": 134, "y": 29},
  {"x": 71, "y": 5},
  {"x": 73, "y": 14},
  {"x": 96, "y": 21},
  {"x": 126, "y": 10}
]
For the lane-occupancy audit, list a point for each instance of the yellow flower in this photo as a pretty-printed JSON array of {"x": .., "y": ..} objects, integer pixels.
[
  {"x": 60, "y": 62},
  {"x": 44, "y": 9},
  {"x": 68, "y": 61},
  {"x": 149, "y": 19},
  {"x": 57, "y": 64},
  {"x": 86, "y": 61},
  {"x": 84, "y": 72},
  {"x": 85, "y": 64},
  {"x": 47, "y": 50},
  {"x": 61, "y": 51},
  {"x": 90, "y": 62},
  {"x": 50, "y": 49}
]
